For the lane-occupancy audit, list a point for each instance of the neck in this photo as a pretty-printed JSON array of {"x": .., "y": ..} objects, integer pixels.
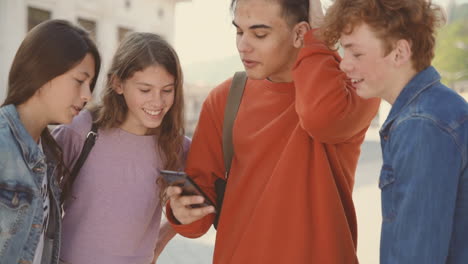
[
  {"x": 30, "y": 116},
  {"x": 402, "y": 78},
  {"x": 286, "y": 75}
]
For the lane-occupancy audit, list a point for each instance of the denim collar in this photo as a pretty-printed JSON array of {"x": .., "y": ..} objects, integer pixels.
[
  {"x": 28, "y": 146},
  {"x": 420, "y": 82}
]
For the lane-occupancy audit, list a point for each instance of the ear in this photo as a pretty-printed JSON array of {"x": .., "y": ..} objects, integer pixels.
[
  {"x": 299, "y": 31},
  {"x": 117, "y": 84},
  {"x": 403, "y": 52}
]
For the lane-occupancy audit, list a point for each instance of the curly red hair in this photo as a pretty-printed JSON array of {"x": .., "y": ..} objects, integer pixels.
[{"x": 415, "y": 21}]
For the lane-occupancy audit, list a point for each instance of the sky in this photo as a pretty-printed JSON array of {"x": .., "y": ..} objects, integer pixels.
[{"x": 204, "y": 30}]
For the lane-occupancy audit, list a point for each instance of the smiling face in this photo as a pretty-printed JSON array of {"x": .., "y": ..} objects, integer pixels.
[
  {"x": 63, "y": 97},
  {"x": 149, "y": 95},
  {"x": 264, "y": 40},
  {"x": 365, "y": 62}
]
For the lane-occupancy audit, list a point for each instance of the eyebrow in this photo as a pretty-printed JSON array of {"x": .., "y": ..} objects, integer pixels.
[
  {"x": 347, "y": 45},
  {"x": 85, "y": 73},
  {"x": 150, "y": 85},
  {"x": 254, "y": 26}
]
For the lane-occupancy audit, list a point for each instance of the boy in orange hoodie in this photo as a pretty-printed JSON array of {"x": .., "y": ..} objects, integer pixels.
[{"x": 296, "y": 140}]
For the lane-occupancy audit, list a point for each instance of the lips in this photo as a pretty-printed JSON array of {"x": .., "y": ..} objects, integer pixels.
[
  {"x": 249, "y": 63},
  {"x": 77, "y": 109},
  {"x": 152, "y": 112},
  {"x": 356, "y": 81}
]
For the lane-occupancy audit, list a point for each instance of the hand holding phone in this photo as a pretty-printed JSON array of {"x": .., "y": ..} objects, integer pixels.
[{"x": 188, "y": 186}]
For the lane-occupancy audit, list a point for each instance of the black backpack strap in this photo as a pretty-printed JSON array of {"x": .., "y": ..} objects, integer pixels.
[
  {"x": 232, "y": 106},
  {"x": 87, "y": 146}
]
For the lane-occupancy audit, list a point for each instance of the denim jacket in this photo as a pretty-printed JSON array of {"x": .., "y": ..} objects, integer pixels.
[
  {"x": 22, "y": 168},
  {"x": 424, "y": 178}
]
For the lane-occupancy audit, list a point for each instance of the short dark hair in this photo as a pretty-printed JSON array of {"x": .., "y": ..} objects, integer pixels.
[{"x": 294, "y": 11}]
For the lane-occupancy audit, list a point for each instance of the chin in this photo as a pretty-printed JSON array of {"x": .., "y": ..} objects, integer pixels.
[
  {"x": 153, "y": 125},
  {"x": 363, "y": 93},
  {"x": 251, "y": 74},
  {"x": 65, "y": 119}
]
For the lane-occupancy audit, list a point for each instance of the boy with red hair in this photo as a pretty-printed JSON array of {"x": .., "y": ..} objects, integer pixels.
[{"x": 388, "y": 47}]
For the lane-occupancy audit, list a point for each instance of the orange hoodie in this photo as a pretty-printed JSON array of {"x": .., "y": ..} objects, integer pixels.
[{"x": 289, "y": 194}]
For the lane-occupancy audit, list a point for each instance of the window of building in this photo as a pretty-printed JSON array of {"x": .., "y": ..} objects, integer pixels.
[
  {"x": 128, "y": 4},
  {"x": 90, "y": 26},
  {"x": 36, "y": 16},
  {"x": 161, "y": 13},
  {"x": 122, "y": 31}
]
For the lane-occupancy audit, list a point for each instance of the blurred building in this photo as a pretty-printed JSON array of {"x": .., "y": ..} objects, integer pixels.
[
  {"x": 194, "y": 95},
  {"x": 107, "y": 20}
]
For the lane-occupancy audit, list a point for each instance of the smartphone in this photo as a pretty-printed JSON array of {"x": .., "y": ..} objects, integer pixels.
[{"x": 189, "y": 187}]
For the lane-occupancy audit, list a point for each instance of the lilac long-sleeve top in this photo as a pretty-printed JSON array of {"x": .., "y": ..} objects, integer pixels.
[{"x": 115, "y": 212}]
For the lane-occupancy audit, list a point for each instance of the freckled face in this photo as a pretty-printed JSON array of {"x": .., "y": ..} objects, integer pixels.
[{"x": 365, "y": 62}]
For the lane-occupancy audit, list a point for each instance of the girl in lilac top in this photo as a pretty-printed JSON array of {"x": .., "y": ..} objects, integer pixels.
[{"x": 113, "y": 208}]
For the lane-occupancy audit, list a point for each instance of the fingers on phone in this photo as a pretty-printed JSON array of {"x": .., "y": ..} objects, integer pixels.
[
  {"x": 173, "y": 191},
  {"x": 201, "y": 211},
  {"x": 189, "y": 200}
]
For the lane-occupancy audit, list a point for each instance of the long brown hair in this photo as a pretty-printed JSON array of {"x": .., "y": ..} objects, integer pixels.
[{"x": 50, "y": 49}]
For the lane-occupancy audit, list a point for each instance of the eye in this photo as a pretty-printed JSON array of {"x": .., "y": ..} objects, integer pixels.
[
  {"x": 79, "y": 81},
  {"x": 145, "y": 90},
  {"x": 260, "y": 36},
  {"x": 357, "y": 55},
  {"x": 168, "y": 90}
]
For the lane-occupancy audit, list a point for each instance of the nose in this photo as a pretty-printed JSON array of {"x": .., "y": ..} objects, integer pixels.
[
  {"x": 86, "y": 94},
  {"x": 157, "y": 97},
  {"x": 345, "y": 65},
  {"x": 243, "y": 44}
]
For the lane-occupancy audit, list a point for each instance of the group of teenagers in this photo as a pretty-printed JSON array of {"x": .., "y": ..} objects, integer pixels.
[{"x": 296, "y": 138}]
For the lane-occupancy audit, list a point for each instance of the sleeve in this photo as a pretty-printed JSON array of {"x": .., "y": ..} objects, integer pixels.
[
  {"x": 186, "y": 147},
  {"x": 70, "y": 142},
  {"x": 427, "y": 165},
  {"x": 328, "y": 106},
  {"x": 205, "y": 158}
]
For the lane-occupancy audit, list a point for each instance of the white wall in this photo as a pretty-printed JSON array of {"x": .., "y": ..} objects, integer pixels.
[
  {"x": 12, "y": 31},
  {"x": 108, "y": 15}
]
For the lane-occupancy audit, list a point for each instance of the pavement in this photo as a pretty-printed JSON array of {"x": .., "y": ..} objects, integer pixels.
[{"x": 181, "y": 250}]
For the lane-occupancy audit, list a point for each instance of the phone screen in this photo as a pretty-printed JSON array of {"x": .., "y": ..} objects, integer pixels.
[{"x": 189, "y": 187}]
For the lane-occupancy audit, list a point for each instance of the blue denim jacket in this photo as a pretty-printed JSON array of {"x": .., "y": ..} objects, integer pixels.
[
  {"x": 424, "y": 178},
  {"x": 22, "y": 168}
]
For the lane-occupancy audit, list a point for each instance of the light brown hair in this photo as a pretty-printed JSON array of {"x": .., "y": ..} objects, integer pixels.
[{"x": 136, "y": 52}]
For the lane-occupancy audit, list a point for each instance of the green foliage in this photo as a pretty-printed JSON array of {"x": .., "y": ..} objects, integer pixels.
[
  {"x": 451, "y": 58},
  {"x": 460, "y": 13}
]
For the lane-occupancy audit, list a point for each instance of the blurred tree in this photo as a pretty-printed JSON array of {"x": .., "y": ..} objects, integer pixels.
[
  {"x": 460, "y": 12},
  {"x": 451, "y": 57}
]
